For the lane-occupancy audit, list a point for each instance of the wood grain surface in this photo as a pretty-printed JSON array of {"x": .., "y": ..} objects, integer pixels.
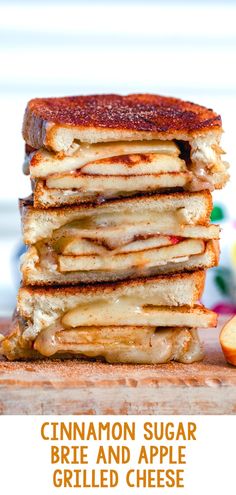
[{"x": 82, "y": 387}]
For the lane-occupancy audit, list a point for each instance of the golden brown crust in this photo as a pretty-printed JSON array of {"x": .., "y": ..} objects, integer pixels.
[
  {"x": 108, "y": 288},
  {"x": 29, "y": 204},
  {"x": 143, "y": 114}
]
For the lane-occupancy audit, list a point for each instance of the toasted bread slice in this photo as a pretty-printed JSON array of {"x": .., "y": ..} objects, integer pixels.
[
  {"x": 36, "y": 273},
  {"x": 178, "y": 290},
  {"x": 55, "y": 123},
  {"x": 149, "y": 345},
  {"x": 186, "y": 212},
  {"x": 107, "y": 146}
]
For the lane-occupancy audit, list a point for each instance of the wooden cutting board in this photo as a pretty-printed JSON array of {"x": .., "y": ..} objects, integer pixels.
[{"x": 75, "y": 387}]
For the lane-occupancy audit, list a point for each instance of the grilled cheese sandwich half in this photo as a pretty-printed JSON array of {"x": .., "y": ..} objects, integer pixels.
[
  {"x": 134, "y": 322},
  {"x": 109, "y": 146},
  {"x": 121, "y": 239}
]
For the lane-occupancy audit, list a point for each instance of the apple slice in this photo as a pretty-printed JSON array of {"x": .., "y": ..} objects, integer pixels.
[{"x": 228, "y": 340}]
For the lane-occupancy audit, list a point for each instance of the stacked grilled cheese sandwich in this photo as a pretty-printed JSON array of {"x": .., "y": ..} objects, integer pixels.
[{"x": 118, "y": 228}]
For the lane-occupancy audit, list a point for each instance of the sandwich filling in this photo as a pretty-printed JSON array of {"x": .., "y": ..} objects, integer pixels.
[
  {"x": 123, "y": 344},
  {"x": 105, "y": 242},
  {"x": 114, "y": 344},
  {"x": 118, "y": 158},
  {"x": 121, "y": 168}
]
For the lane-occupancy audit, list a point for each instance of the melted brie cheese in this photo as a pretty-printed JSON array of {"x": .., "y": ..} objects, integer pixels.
[{"x": 122, "y": 344}]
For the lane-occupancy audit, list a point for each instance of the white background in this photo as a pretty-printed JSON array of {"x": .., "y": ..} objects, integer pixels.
[
  {"x": 48, "y": 48},
  {"x": 25, "y": 457}
]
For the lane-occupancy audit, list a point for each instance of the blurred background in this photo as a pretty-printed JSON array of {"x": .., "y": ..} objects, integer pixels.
[{"x": 57, "y": 48}]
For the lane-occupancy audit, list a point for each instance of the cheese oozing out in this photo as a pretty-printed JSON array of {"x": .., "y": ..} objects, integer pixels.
[{"x": 137, "y": 345}]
